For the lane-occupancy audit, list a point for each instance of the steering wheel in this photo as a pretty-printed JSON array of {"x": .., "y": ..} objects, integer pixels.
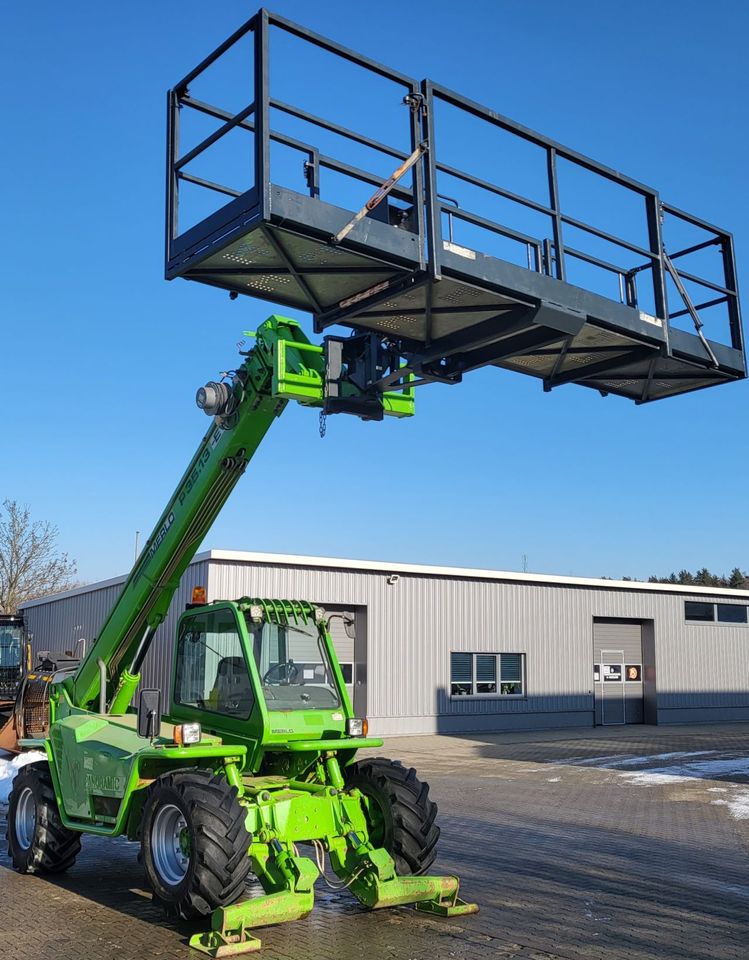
[{"x": 285, "y": 672}]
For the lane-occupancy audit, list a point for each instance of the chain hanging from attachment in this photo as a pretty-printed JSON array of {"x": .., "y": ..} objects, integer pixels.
[{"x": 323, "y": 423}]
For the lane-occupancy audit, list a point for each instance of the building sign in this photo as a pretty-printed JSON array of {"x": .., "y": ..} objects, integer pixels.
[
  {"x": 633, "y": 673},
  {"x": 596, "y": 672},
  {"x": 612, "y": 673}
]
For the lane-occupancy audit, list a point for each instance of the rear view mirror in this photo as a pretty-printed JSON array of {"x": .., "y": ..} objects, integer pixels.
[
  {"x": 149, "y": 714},
  {"x": 349, "y": 622}
]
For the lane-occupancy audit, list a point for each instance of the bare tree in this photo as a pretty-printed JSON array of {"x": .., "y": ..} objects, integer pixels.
[{"x": 31, "y": 565}]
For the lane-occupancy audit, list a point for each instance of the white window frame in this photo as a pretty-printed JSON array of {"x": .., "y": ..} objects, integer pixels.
[{"x": 473, "y": 695}]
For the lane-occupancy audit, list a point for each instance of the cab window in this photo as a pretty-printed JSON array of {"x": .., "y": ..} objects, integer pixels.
[
  {"x": 211, "y": 671},
  {"x": 294, "y": 668}
]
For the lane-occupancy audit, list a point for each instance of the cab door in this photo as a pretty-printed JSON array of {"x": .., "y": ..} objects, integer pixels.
[{"x": 212, "y": 681}]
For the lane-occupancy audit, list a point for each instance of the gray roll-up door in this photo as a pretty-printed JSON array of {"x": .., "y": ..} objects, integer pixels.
[
  {"x": 351, "y": 651},
  {"x": 343, "y": 645},
  {"x": 617, "y": 656}
]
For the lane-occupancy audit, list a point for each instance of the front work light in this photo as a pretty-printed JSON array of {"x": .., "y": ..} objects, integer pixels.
[
  {"x": 356, "y": 727},
  {"x": 187, "y": 733}
]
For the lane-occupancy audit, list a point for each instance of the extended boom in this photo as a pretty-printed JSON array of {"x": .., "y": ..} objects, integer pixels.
[{"x": 282, "y": 365}]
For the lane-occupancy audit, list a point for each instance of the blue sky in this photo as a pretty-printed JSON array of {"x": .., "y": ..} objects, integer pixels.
[{"x": 101, "y": 356}]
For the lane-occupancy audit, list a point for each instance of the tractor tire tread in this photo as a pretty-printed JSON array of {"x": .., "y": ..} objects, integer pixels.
[
  {"x": 54, "y": 848},
  {"x": 220, "y": 864},
  {"x": 412, "y": 835}
]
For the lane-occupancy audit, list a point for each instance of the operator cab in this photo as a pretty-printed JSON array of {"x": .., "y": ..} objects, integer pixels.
[
  {"x": 12, "y": 646},
  {"x": 11, "y": 642},
  {"x": 260, "y": 672}
]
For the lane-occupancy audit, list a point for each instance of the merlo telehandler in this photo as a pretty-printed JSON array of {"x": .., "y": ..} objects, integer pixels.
[{"x": 257, "y": 752}]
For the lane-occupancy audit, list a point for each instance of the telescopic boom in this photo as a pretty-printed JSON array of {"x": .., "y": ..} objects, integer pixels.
[{"x": 282, "y": 365}]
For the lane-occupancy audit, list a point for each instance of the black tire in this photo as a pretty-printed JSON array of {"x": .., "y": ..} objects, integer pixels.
[
  {"x": 39, "y": 843},
  {"x": 401, "y": 815},
  {"x": 216, "y": 842}
]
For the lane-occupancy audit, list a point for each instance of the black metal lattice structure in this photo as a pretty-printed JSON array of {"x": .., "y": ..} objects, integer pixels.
[{"x": 447, "y": 302}]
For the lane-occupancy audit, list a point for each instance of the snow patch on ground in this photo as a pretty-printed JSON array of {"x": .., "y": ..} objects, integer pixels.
[
  {"x": 678, "y": 755},
  {"x": 679, "y": 766},
  {"x": 696, "y": 770},
  {"x": 593, "y": 761},
  {"x": 618, "y": 760},
  {"x": 654, "y": 778},
  {"x": 553, "y": 779},
  {"x": 9, "y": 767},
  {"x": 738, "y": 805}
]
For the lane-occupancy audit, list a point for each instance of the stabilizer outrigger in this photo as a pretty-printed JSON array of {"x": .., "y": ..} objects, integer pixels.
[{"x": 288, "y": 879}]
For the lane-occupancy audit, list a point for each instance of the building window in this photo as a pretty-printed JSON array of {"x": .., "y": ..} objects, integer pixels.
[
  {"x": 487, "y": 674},
  {"x": 732, "y": 613},
  {"x": 512, "y": 674},
  {"x": 347, "y": 669},
  {"x": 702, "y": 612},
  {"x": 699, "y": 612},
  {"x": 461, "y": 674}
]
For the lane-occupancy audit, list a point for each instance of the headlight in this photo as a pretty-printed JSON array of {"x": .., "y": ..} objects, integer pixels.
[
  {"x": 187, "y": 733},
  {"x": 356, "y": 727}
]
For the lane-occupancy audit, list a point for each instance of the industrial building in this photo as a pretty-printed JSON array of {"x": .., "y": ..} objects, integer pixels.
[{"x": 444, "y": 649}]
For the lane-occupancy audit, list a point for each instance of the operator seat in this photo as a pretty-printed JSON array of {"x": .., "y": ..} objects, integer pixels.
[{"x": 232, "y": 692}]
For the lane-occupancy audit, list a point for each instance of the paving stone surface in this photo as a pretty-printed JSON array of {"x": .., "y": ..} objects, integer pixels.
[{"x": 619, "y": 843}]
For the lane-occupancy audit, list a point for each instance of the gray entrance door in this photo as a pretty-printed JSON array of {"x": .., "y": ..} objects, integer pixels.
[
  {"x": 617, "y": 659},
  {"x": 352, "y": 652}
]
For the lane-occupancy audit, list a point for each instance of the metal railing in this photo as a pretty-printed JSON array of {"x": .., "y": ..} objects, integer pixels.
[
  {"x": 550, "y": 252},
  {"x": 255, "y": 118}
]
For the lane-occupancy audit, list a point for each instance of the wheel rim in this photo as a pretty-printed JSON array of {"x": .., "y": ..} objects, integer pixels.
[
  {"x": 170, "y": 845},
  {"x": 25, "y": 820}
]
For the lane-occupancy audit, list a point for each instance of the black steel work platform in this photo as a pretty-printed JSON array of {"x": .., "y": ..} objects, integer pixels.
[{"x": 581, "y": 275}]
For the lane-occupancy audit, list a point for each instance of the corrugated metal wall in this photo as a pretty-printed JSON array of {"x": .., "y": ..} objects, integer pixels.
[
  {"x": 58, "y": 623},
  {"x": 415, "y": 622}
]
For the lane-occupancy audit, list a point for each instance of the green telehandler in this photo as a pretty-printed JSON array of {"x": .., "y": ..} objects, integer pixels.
[{"x": 257, "y": 751}]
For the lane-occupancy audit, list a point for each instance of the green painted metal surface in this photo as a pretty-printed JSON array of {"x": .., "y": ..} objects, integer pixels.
[
  {"x": 230, "y": 932},
  {"x": 100, "y": 766}
]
